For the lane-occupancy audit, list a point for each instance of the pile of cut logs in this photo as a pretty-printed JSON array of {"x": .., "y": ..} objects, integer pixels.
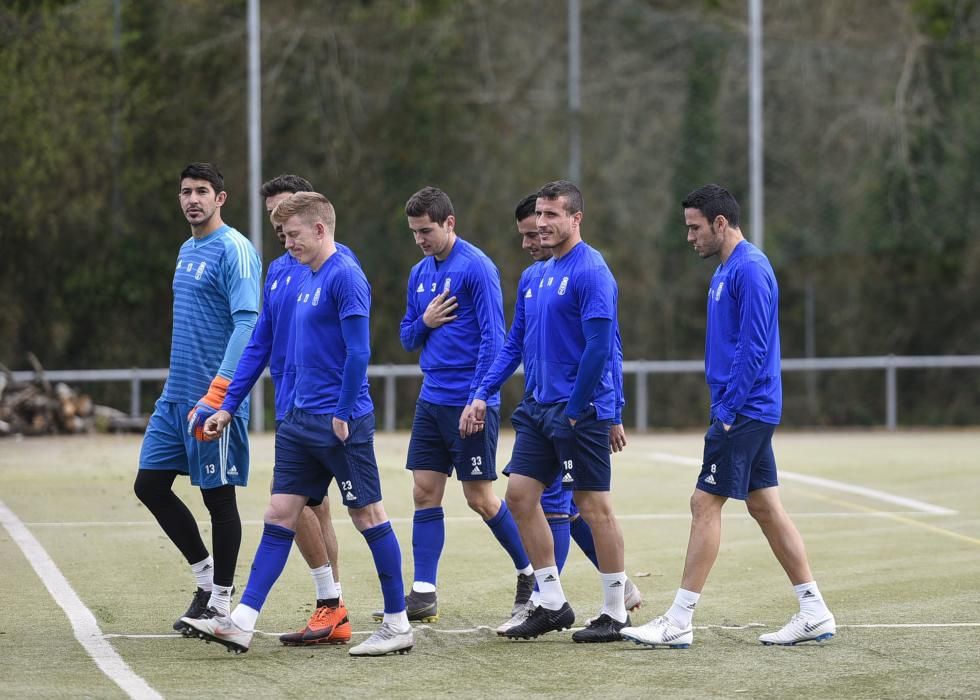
[{"x": 38, "y": 407}]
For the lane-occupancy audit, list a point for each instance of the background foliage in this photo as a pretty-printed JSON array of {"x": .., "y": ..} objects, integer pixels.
[{"x": 871, "y": 164}]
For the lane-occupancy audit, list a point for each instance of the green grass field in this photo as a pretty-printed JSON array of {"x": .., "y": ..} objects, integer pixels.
[{"x": 902, "y": 582}]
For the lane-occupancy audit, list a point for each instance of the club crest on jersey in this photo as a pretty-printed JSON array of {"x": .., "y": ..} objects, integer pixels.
[
  {"x": 274, "y": 285},
  {"x": 200, "y": 270},
  {"x": 550, "y": 280},
  {"x": 421, "y": 288},
  {"x": 563, "y": 286},
  {"x": 316, "y": 297},
  {"x": 721, "y": 285},
  {"x": 445, "y": 285}
]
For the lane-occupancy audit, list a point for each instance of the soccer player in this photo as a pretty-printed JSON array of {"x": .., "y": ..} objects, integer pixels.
[
  {"x": 271, "y": 344},
  {"x": 216, "y": 303},
  {"x": 455, "y": 314},
  {"x": 556, "y": 502},
  {"x": 328, "y": 434},
  {"x": 571, "y": 416},
  {"x": 742, "y": 367}
]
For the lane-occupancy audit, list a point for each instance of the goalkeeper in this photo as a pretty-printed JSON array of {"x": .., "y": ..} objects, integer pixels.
[{"x": 216, "y": 304}]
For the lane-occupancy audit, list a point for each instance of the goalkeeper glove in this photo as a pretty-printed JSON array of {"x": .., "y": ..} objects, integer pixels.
[{"x": 209, "y": 404}]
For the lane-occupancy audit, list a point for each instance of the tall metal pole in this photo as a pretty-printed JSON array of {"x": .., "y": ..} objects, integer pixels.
[
  {"x": 255, "y": 170},
  {"x": 756, "y": 117},
  {"x": 574, "y": 93}
]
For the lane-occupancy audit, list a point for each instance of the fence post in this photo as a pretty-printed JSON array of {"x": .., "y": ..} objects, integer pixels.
[
  {"x": 134, "y": 394},
  {"x": 390, "y": 400},
  {"x": 641, "y": 400},
  {"x": 891, "y": 394}
]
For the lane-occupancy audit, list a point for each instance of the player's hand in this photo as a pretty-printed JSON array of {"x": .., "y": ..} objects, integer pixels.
[
  {"x": 617, "y": 437},
  {"x": 473, "y": 419},
  {"x": 216, "y": 424},
  {"x": 341, "y": 429},
  {"x": 440, "y": 310},
  {"x": 207, "y": 406}
]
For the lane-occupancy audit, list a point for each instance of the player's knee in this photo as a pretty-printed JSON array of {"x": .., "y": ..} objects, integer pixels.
[
  {"x": 221, "y": 503},
  {"x": 424, "y": 498},
  {"x": 152, "y": 487},
  {"x": 705, "y": 506},
  {"x": 487, "y": 505}
]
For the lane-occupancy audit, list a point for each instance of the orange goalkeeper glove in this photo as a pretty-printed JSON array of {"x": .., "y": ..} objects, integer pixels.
[{"x": 209, "y": 404}]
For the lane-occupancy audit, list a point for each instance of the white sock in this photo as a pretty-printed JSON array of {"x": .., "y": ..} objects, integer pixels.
[
  {"x": 244, "y": 617},
  {"x": 399, "y": 621},
  {"x": 535, "y": 598},
  {"x": 552, "y": 597},
  {"x": 221, "y": 599},
  {"x": 612, "y": 591},
  {"x": 323, "y": 580},
  {"x": 423, "y": 587},
  {"x": 204, "y": 573},
  {"x": 681, "y": 613},
  {"x": 340, "y": 592},
  {"x": 526, "y": 571},
  {"x": 811, "y": 602}
]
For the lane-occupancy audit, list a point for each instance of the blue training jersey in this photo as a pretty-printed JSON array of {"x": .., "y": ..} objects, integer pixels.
[
  {"x": 272, "y": 340},
  {"x": 456, "y": 356},
  {"x": 519, "y": 343},
  {"x": 576, "y": 288},
  {"x": 215, "y": 277},
  {"x": 741, "y": 351},
  {"x": 337, "y": 291}
]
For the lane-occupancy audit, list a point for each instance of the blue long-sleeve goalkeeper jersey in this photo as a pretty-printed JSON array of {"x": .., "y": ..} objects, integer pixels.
[
  {"x": 741, "y": 354},
  {"x": 271, "y": 343},
  {"x": 456, "y": 356},
  {"x": 215, "y": 278}
]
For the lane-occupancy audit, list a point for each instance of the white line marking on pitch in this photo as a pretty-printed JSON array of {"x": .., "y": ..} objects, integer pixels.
[
  {"x": 82, "y": 620},
  {"x": 875, "y": 494},
  {"x": 485, "y": 628},
  {"x": 476, "y": 519}
]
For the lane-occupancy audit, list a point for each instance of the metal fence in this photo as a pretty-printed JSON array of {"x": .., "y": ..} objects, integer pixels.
[{"x": 639, "y": 369}]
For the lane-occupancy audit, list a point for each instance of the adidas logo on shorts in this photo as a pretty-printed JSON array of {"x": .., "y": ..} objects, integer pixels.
[
  {"x": 710, "y": 479},
  {"x": 568, "y": 478},
  {"x": 476, "y": 470},
  {"x": 349, "y": 496}
]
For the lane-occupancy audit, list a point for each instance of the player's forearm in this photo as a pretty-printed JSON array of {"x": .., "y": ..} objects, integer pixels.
[
  {"x": 252, "y": 363},
  {"x": 356, "y": 332},
  {"x": 413, "y": 333},
  {"x": 503, "y": 367},
  {"x": 598, "y": 334},
  {"x": 244, "y": 324}
]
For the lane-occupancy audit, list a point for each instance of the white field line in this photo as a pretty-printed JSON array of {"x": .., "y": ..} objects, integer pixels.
[
  {"x": 874, "y": 494},
  {"x": 472, "y": 519},
  {"x": 82, "y": 620},
  {"x": 486, "y": 628}
]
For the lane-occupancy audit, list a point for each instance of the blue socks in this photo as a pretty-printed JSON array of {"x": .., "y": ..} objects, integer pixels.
[
  {"x": 428, "y": 538},
  {"x": 582, "y": 534},
  {"x": 505, "y": 530},
  {"x": 270, "y": 560},
  {"x": 561, "y": 534},
  {"x": 388, "y": 562}
]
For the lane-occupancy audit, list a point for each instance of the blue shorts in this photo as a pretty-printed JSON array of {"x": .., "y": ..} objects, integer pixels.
[
  {"x": 582, "y": 450},
  {"x": 437, "y": 446},
  {"x": 167, "y": 445},
  {"x": 309, "y": 456},
  {"x": 554, "y": 498},
  {"x": 738, "y": 461},
  {"x": 557, "y": 499}
]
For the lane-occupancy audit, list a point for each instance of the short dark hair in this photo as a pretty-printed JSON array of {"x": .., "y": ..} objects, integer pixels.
[
  {"x": 525, "y": 207},
  {"x": 566, "y": 189},
  {"x": 204, "y": 171},
  {"x": 431, "y": 202},
  {"x": 285, "y": 183},
  {"x": 712, "y": 200}
]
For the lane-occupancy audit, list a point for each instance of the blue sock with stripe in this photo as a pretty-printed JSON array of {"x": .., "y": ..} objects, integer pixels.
[
  {"x": 428, "y": 539},
  {"x": 388, "y": 562},
  {"x": 504, "y": 528},
  {"x": 582, "y": 534},
  {"x": 270, "y": 560},
  {"x": 561, "y": 534}
]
